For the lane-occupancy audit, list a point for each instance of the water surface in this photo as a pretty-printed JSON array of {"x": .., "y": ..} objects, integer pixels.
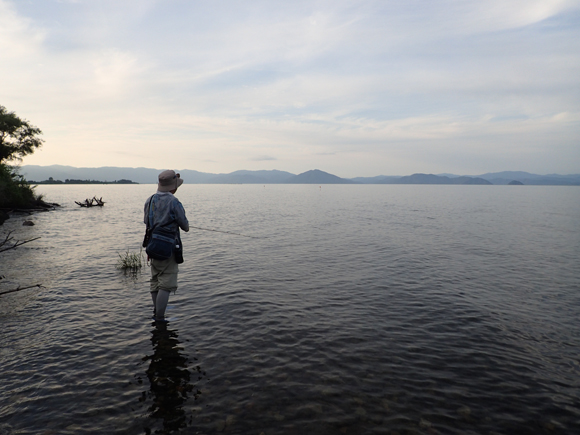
[{"x": 358, "y": 310}]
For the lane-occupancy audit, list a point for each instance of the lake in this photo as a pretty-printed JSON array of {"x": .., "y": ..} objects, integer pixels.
[{"x": 354, "y": 309}]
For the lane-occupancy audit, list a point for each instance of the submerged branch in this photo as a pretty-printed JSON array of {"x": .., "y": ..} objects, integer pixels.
[
  {"x": 16, "y": 244},
  {"x": 21, "y": 288}
]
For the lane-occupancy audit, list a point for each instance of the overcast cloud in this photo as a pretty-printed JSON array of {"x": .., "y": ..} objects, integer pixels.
[{"x": 355, "y": 88}]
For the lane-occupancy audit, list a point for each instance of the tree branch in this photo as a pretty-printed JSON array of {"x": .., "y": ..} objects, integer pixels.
[
  {"x": 16, "y": 244},
  {"x": 21, "y": 288}
]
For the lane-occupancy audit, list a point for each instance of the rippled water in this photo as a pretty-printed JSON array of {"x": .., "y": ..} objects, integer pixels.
[{"x": 360, "y": 310}]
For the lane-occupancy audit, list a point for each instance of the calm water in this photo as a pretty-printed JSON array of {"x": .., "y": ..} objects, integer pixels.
[{"x": 360, "y": 310}]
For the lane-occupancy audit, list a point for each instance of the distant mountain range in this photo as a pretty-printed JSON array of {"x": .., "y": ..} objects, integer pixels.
[{"x": 35, "y": 173}]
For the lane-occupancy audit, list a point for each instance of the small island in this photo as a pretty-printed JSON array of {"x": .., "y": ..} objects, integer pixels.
[{"x": 71, "y": 181}]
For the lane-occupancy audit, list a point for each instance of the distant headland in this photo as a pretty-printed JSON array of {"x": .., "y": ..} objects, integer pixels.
[
  {"x": 125, "y": 175},
  {"x": 73, "y": 181}
]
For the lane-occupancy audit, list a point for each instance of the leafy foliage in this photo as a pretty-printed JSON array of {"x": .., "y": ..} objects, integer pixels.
[
  {"x": 18, "y": 137},
  {"x": 15, "y": 192}
]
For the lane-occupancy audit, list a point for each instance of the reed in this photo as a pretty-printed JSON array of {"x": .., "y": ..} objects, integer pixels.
[{"x": 131, "y": 261}]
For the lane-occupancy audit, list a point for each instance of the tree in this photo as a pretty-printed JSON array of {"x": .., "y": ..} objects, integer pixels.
[{"x": 18, "y": 137}]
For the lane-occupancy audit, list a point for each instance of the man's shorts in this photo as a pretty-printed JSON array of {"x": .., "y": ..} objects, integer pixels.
[{"x": 164, "y": 274}]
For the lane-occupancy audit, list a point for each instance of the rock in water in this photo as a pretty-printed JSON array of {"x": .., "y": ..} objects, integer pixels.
[{"x": 464, "y": 411}]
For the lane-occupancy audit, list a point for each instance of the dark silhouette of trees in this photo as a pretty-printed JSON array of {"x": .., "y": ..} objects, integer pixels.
[{"x": 18, "y": 137}]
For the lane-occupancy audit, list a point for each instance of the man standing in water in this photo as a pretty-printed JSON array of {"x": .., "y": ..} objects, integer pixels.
[{"x": 163, "y": 210}]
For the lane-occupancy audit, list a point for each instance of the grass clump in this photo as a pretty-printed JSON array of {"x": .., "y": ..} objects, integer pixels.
[{"x": 130, "y": 261}]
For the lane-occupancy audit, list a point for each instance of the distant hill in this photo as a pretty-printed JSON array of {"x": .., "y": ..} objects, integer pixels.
[
  {"x": 317, "y": 176},
  {"x": 506, "y": 177},
  {"x": 469, "y": 180},
  {"x": 379, "y": 179},
  {"x": 107, "y": 173},
  {"x": 512, "y": 175},
  {"x": 149, "y": 176},
  {"x": 436, "y": 179},
  {"x": 251, "y": 177}
]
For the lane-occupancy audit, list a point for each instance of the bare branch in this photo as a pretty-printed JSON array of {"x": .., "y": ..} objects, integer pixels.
[
  {"x": 21, "y": 288},
  {"x": 7, "y": 239},
  {"x": 16, "y": 244}
]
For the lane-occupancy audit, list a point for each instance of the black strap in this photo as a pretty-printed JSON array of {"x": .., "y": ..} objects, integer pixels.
[{"x": 149, "y": 211}]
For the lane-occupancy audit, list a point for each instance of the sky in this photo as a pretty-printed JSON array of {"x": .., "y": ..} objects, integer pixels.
[{"x": 354, "y": 88}]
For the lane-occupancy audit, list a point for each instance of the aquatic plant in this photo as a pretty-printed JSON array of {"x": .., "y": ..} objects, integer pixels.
[{"x": 131, "y": 261}]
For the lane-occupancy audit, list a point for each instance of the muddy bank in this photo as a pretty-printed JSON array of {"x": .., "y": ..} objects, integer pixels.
[{"x": 38, "y": 206}]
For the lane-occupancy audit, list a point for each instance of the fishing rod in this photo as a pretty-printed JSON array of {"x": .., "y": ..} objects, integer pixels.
[{"x": 227, "y": 232}]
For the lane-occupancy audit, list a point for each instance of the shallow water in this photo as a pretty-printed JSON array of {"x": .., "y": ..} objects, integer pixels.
[{"x": 359, "y": 310}]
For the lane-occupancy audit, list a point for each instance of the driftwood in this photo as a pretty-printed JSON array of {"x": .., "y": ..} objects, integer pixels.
[
  {"x": 91, "y": 202},
  {"x": 21, "y": 288},
  {"x": 16, "y": 244}
]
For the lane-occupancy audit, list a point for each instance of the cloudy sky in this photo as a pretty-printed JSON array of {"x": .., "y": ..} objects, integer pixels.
[{"x": 354, "y": 88}]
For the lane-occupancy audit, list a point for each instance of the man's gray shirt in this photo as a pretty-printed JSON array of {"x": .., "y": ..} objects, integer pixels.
[{"x": 168, "y": 213}]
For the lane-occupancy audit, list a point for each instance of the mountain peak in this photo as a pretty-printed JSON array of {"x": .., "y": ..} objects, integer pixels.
[{"x": 316, "y": 176}]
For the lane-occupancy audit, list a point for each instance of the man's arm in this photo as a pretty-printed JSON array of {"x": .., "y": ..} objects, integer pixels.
[{"x": 180, "y": 217}]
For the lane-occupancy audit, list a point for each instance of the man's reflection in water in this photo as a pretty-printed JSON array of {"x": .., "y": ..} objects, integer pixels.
[{"x": 169, "y": 379}]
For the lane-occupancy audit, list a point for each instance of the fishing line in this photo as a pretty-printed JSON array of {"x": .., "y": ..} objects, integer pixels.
[{"x": 227, "y": 232}]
